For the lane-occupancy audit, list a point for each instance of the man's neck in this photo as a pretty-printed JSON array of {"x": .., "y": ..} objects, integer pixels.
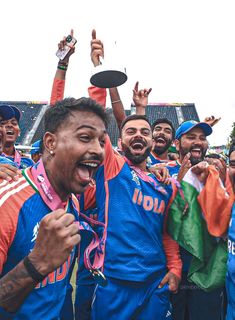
[
  {"x": 51, "y": 175},
  {"x": 162, "y": 156},
  {"x": 142, "y": 166},
  {"x": 9, "y": 150}
]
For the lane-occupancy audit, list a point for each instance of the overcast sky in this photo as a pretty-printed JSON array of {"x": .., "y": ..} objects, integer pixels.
[{"x": 184, "y": 50}]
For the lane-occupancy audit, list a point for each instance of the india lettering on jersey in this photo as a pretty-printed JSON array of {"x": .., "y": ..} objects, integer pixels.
[
  {"x": 57, "y": 275},
  {"x": 148, "y": 203}
]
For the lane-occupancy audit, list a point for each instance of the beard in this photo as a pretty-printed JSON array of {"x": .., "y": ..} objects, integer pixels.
[
  {"x": 193, "y": 160},
  {"x": 135, "y": 159},
  {"x": 161, "y": 149}
]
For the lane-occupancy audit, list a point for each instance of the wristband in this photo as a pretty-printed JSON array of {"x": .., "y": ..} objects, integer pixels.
[
  {"x": 116, "y": 101},
  {"x": 62, "y": 67},
  {"x": 32, "y": 271}
]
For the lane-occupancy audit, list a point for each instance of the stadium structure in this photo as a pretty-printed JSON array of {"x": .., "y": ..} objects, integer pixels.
[{"x": 31, "y": 122}]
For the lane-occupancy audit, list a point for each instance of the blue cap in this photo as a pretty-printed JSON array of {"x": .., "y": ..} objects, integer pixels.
[
  {"x": 189, "y": 125},
  {"x": 8, "y": 112},
  {"x": 36, "y": 147}
]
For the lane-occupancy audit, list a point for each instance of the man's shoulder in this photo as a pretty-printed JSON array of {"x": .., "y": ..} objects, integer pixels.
[{"x": 15, "y": 191}]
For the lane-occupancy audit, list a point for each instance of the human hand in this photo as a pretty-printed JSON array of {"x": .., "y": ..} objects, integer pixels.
[
  {"x": 97, "y": 49},
  {"x": 57, "y": 235},
  {"x": 61, "y": 46},
  {"x": 8, "y": 172},
  {"x": 185, "y": 166},
  {"x": 201, "y": 170},
  {"x": 172, "y": 280},
  {"x": 161, "y": 172},
  {"x": 211, "y": 120},
  {"x": 220, "y": 166},
  {"x": 140, "y": 97}
]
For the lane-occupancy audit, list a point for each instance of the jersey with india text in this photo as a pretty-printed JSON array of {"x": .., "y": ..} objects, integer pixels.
[
  {"x": 134, "y": 210},
  {"x": 22, "y": 209}
]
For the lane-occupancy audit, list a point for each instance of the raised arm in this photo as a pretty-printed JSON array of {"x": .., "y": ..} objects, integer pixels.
[{"x": 58, "y": 86}]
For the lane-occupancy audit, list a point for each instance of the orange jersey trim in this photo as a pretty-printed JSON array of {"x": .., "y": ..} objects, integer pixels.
[{"x": 13, "y": 194}]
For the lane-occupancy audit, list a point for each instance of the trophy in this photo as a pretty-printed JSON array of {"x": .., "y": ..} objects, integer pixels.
[{"x": 106, "y": 76}]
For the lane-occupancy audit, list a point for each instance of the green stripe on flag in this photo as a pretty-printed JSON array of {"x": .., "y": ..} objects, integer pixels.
[{"x": 209, "y": 254}]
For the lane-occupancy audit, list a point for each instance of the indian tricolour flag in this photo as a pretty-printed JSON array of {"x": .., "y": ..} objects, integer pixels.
[{"x": 187, "y": 226}]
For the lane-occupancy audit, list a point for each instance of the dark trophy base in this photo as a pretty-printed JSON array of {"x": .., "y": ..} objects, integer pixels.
[{"x": 108, "y": 79}]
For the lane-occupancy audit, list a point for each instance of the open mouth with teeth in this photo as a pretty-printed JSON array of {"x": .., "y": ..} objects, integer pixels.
[
  {"x": 160, "y": 141},
  {"x": 138, "y": 145},
  {"x": 196, "y": 152},
  {"x": 86, "y": 170}
]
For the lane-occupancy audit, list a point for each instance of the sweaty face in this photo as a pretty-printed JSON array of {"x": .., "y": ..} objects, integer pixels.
[
  {"x": 232, "y": 169},
  {"x": 194, "y": 142},
  {"x": 12, "y": 130},
  {"x": 78, "y": 151},
  {"x": 136, "y": 140},
  {"x": 162, "y": 136}
]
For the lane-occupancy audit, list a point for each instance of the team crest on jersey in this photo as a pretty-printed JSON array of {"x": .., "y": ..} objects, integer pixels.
[
  {"x": 35, "y": 232},
  {"x": 135, "y": 177}
]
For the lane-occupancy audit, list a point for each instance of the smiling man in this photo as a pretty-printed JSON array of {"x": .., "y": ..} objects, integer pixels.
[
  {"x": 191, "y": 143},
  {"x": 133, "y": 203},
  {"x": 37, "y": 231},
  {"x": 163, "y": 136},
  {"x": 10, "y": 121}
]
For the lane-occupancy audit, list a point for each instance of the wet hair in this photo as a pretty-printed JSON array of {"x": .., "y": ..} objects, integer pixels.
[
  {"x": 164, "y": 120},
  {"x": 134, "y": 117},
  {"x": 56, "y": 115}
]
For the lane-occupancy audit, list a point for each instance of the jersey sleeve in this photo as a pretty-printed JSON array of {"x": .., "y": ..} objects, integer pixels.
[
  {"x": 216, "y": 203},
  {"x": 171, "y": 247},
  {"x": 57, "y": 92},
  {"x": 172, "y": 252},
  {"x": 113, "y": 162},
  {"x": 8, "y": 225},
  {"x": 98, "y": 94}
]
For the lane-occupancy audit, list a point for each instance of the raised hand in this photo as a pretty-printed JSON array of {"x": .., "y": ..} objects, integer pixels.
[
  {"x": 140, "y": 97},
  {"x": 185, "y": 166},
  {"x": 97, "y": 49},
  {"x": 61, "y": 46},
  {"x": 211, "y": 120}
]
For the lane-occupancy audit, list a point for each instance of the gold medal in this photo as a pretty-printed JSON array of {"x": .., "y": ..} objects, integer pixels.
[{"x": 99, "y": 277}]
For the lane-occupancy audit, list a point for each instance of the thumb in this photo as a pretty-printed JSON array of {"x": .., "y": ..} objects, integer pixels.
[{"x": 93, "y": 34}]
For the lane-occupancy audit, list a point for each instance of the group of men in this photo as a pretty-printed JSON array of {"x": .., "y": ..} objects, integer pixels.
[{"x": 84, "y": 200}]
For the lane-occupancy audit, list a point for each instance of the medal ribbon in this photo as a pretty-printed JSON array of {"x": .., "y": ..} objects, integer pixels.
[{"x": 54, "y": 202}]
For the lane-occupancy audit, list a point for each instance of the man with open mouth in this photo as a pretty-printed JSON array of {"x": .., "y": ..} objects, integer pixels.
[
  {"x": 191, "y": 143},
  {"x": 11, "y": 118},
  {"x": 38, "y": 236}
]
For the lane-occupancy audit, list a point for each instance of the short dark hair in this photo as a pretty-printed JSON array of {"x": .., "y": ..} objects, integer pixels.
[
  {"x": 56, "y": 115},
  {"x": 134, "y": 117},
  {"x": 164, "y": 120}
]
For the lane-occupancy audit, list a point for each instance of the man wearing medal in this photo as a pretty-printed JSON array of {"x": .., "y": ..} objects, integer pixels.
[{"x": 38, "y": 236}]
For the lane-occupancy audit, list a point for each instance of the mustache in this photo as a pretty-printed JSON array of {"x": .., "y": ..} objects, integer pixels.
[
  {"x": 91, "y": 158},
  {"x": 138, "y": 140}
]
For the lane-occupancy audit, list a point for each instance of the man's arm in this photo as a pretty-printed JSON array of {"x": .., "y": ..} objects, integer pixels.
[
  {"x": 57, "y": 236},
  {"x": 58, "y": 86}
]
